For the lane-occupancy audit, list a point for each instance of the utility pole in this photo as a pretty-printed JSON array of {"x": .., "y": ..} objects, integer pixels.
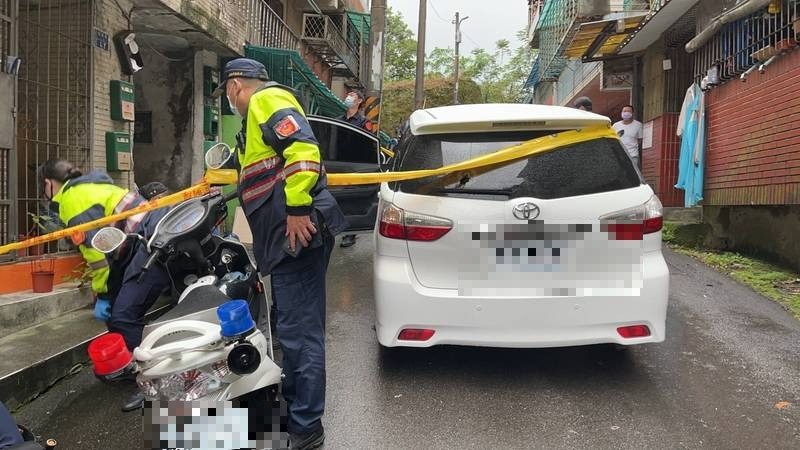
[
  {"x": 458, "y": 41},
  {"x": 419, "y": 87},
  {"x": 376, "y": 43}
]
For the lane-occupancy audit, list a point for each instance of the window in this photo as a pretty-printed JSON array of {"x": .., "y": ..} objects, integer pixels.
[{"x": 586, "y": 168}]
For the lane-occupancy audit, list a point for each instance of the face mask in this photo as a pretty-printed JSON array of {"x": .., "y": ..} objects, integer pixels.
[
  {"x": 349, "y": 101},
  {"x": 233, "y": 106},
  {"x": 627, "y": 115}
]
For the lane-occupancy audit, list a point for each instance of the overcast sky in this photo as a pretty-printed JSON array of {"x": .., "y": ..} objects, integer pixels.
[{"x": 489, "y": 21}]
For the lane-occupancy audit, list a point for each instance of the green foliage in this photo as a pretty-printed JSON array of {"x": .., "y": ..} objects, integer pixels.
[
  {"x": 500, "y": 73},
  {"x": 401, "y": 48},
  {"x": 398, "y": 98}
]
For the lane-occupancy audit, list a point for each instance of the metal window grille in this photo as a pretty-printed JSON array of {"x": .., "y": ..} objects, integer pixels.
[
  {"x": 742, "y": 46},
  {"x": 54, "y": 94},
  {"x": 8, "y": 47}
]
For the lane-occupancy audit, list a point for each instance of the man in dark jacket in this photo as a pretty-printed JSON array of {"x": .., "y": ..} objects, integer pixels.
[{"x": 354, "y": 116}]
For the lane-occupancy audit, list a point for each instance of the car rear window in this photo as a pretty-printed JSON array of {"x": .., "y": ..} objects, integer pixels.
[{"x": 590, "y": 167}]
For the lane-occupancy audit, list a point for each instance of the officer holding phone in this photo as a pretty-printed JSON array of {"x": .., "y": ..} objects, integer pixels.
[{"x": 293, "y": 217}]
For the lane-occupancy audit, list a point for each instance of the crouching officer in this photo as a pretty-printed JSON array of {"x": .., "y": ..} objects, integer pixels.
[
  {"x": 122, "y": 300},
  {"x": 293, "y": 217}
]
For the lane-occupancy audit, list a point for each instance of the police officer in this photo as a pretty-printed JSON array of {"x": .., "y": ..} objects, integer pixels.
[
  {"x": 121, "y": 299},
  {"x": 355, "y": 117},
  {"x": 293, "y": 217}
]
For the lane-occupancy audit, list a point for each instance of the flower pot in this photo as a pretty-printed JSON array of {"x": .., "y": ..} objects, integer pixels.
[
  {"x": 42, "y": 281},
  {"x": 42, "y": 275}
]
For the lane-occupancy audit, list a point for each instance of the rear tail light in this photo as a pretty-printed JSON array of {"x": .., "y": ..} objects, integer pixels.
[
  {"x": 396, "y": 223},
  {"x": 634, "y": 331},
  {"x": 415, "y": 334},
  {"x": 634, "y": 223}
]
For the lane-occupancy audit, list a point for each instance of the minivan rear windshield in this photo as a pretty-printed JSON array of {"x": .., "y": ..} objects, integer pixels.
[{"x": 591, "y": 167}]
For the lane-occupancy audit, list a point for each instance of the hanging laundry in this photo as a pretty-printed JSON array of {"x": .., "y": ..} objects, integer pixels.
[{"x": 692, "y": 131}]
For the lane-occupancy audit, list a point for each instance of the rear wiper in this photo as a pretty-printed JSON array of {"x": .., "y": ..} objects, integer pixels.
[{"x": 505, "y": 192}]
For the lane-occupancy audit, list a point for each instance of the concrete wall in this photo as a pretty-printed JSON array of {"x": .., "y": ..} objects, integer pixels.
[
  {"x": 202, "y": 59},
  {"x": 769, "y": 231},
  {"x": 166, "y": 89},
  {"x": 106, "y": 67}
]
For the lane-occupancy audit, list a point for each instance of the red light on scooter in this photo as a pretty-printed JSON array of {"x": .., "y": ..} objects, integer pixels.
[{"x": 109, "y": 354}]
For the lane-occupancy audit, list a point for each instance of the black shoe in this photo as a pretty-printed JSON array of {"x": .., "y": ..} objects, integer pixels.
[
  {"x": 133, "y": 402},
  {"x": 348, "y": 240},
  {"x": 307, "y": 441}
]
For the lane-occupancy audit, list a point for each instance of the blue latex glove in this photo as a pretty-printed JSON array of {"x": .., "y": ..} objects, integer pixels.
[{"x": 102, "y": 309}]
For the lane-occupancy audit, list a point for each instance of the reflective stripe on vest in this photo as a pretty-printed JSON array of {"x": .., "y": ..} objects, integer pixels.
[
  {"x": 101, "y": 264},
  {"x": 260, "y": 167}
]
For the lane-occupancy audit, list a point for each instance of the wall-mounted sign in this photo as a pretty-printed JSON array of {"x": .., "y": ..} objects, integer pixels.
[{"x": 101, "y": 39}]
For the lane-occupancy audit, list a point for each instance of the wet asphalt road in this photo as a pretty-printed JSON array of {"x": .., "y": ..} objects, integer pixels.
[{"x": 731, "y": 358}]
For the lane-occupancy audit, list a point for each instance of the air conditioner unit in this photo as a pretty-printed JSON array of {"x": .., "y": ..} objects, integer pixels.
[{"x": 593, "y": 8}]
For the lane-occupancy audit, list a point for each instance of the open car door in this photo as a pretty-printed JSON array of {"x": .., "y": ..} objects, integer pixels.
[{"x": 345, "y": 148}]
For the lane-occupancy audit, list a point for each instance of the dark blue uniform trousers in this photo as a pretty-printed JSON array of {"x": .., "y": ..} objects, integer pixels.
[
  {"x": 298, "y": 291},
  {"x": 9, "y": 433},
  {"x": 135, "y": 298}
]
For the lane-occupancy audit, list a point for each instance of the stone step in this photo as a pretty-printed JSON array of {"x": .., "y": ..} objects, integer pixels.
[
  {"x": 35, "y": 358},
  {"x": 26, "y": 309},
  {"x": 683, "y": 215}
]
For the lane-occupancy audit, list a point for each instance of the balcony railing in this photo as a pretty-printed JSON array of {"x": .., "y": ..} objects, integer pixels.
[
  {"x": 265, "y": 27},
  {"x": 326, "y": 39}
]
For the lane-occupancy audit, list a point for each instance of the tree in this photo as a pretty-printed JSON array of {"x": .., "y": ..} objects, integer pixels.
[
  {"x": 401, "y": 48},
  {"x": 502, "y": 48}
]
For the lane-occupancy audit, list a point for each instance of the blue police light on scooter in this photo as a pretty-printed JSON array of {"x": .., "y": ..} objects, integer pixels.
[{"x": 235, "y": 319}]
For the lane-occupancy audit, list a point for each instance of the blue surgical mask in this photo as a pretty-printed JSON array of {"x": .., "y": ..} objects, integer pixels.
[
  {"x": 627, "y": 115},
  {"x": 349, "y": 101}
]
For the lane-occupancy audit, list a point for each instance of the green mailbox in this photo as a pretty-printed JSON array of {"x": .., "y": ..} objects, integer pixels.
[
  {"x": 210, "y": 120},
  {"x": 210, "y": 80},
  {"x": 122, "y": 101},
  {"x": 118, "y": 151}
]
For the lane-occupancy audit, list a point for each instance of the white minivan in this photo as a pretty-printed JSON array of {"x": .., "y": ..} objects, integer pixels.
[{"x": 557, "y": 249}]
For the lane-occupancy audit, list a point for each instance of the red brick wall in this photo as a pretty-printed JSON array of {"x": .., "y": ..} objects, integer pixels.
[
  {"x": 660, "y": 162},
  {"x": 753, "y": 150}
]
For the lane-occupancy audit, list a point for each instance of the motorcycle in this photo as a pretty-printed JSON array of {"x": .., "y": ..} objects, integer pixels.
[{"x": 214, "y": 344}]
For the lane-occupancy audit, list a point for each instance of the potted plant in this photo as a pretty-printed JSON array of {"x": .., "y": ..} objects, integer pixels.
[{"x": 42, "y": 274}]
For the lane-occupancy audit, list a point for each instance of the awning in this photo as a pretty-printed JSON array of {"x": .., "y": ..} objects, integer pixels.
[
  {"x": 598, "y": 40},
  {"x": 659, "y": 21}
]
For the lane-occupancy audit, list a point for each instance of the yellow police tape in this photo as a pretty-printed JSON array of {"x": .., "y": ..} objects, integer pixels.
[{"x": 453, "y": 172}]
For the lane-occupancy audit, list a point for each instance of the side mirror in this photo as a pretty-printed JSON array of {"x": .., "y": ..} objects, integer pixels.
[
  {"x": 218, "y": 155},
  {"x": 108, "y": 239}
]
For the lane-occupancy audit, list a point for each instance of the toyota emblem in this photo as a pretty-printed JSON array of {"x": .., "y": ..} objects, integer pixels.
[{"x": 526, "y": 211}]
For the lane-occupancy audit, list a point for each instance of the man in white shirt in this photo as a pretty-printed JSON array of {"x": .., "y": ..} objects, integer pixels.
[{"x": 630, "y": 133}]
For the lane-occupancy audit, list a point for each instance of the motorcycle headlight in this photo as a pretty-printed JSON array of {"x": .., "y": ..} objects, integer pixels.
[{"x": 185, "y": 386}]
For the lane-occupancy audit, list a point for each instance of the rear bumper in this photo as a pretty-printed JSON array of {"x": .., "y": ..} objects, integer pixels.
[{"x": 401, "y": 302}]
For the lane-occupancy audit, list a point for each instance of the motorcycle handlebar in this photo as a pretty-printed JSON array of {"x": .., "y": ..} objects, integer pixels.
[
  {"x": 146, "y": 266},
  {"x": 232, "y": 196}
]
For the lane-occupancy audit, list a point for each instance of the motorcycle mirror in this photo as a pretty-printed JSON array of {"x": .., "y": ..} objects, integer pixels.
[
  {"x": 108, "y": 239},
  {"x": 218, "y": 155}
]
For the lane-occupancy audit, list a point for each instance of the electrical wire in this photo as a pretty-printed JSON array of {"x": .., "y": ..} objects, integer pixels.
[
  {"x": 435, "y": 11},
  {"x": 471, "y": 40}
]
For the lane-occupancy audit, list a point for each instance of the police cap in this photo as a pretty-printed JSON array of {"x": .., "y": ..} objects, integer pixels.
[{"x": 241, "y": 68}]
